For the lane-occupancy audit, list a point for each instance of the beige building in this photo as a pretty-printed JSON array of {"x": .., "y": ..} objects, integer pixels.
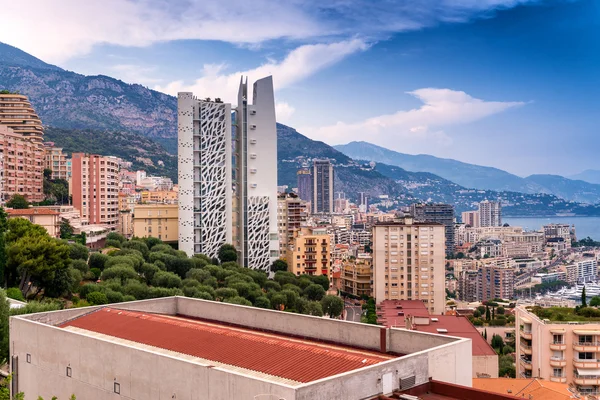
[
  {"x": 291, "y": 215},
  {"x": 190, "y": 349},
  {"x": 22, "y": 162},
  {"x": 95, "y": 188},
  {"x": 156, "y": 220},
  {"x": 17, "y": 113},
  {"x": 309, "y": 252},
  {"x": 559, "y": 351},
  {"x": 357, "y": 275},
  {"x": 496, "y": 280},
  {"x": 57, "y": 161},
  {"x": 159, "y": 196},
  {"x": 48, "y": 219},
  {"x": 409, "y": 262},
  {"x": 470, "y": 218}
]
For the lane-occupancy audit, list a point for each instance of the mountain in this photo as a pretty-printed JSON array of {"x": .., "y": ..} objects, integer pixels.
[
  {"x": 65, "y": 99},
  {"x": 476, "y": 176},
  {"x": 142, "y": 152},
  {"x": 589, "y": 175}
]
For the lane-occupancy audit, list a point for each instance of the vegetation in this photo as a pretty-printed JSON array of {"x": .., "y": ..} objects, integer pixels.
[
  {"x": 371, "y": 315},
  {"x": 586, "y": 242},
  {"x": 279, "y": 265},
  {"x": 566, "y": 314},
  {"x": 17, "y": 202}
]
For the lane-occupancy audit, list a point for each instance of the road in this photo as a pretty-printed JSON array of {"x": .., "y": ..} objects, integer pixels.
[{"x": 353, "y": 312}]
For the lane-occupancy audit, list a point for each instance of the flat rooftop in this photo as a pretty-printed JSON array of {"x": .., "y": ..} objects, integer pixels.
[{"x": 293, "y": 360}]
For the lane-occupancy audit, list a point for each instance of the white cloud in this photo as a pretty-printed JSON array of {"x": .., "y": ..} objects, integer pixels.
[
  {"x": 283, "y": 111},
  {"x": 63, "y": 29},
  {"x": 297, "y": 65},
  {"x": 441, "y": 107}
]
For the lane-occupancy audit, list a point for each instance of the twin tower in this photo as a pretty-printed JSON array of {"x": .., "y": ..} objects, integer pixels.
[{"x": 228, "y": 175}]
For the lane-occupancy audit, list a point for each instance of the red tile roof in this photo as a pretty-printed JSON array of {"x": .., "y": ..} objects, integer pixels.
[
  {"x": 459, "y": 326},
  {"x": 274, "y": 354},
  {"x": 30, "y": 211}
]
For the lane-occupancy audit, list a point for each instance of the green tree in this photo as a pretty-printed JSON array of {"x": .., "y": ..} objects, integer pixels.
[
  {"x": 313, "y": 308},
  {"x": 595, "y": 302},
  {"x": 36, "y": 260},
  {"x": 78, "y": 251},
  {"x": 17, "y": 202},
  {"x": 314, "y": 292},
  {"x": 66, "y": 230},
  {"x": 497, "y": 342},
  {"x": 332, "y": 306},
  {"x": 262, "y": 302},
  {"x": 17, "y": 228},
  {"x": 3, "y": 229},
  {"x": 279, "y": 265},
  {"x": 4, "y": 314},
  {"x": 476, "y": 314},
  {"x": 227, "y": 253},
  {"x": 123, "y": 272},
  {"x": 97, "y": 260},
  {"x": 583, "y": 298},
  {"x": 485, "y": 334},
  {"x": 500, "y": 310},
  {"x": 97, "y": 298},
  {"x": 487, "y": 313}
]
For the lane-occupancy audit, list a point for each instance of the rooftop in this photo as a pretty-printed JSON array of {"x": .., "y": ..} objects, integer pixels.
[
  {"x": 276, "y": 355},
  {"x": 30, "y": 211},
  {"x": 537, "y": 388}
]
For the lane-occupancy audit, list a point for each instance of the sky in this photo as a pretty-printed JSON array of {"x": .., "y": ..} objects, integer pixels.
[{"x": 513, "y": 84}]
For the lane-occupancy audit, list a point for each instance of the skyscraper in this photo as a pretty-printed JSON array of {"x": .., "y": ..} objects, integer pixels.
[
  {"x": 441, "y": 213},
  {"x": 229, "y": 196},
  {"x": 205, "y": 193},
  {"x": 490, "y": 213},
  {"x": 322, "y": 187},
  {"x": 305, "y": 184},
  {"x": 256, "y": 236}
]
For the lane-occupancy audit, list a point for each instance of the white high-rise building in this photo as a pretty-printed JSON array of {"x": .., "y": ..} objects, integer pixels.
[
  {"x": 205, "y": 175},
  {"x": 228, "y": 183},
  {"x": 256, "y": 233},
  {"x": 490, "y": 213}
]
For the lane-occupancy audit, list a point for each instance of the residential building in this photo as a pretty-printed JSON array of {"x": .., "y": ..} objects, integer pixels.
[
  {"x": 95, "y": 235},
  {"x": 441, "y": 213},
  {"x": 153, "y": 183},
  {"x": 205, "y": 175},
  {"x": 582, "y": 270},
  {"x": 95, "y": 188},
  {"x": 357, "y": 275},
  {"x": 305, "y": 184},
  {"x": 23, "y": 165},
  {"x": 1, "y": 177},
  {"x": 490, "y": 213},
  {"x": 540, "y": 278},
  {"x": 159, "y": 196},
  {"x": 552, "y": 232},
  {"x": 496, "y": 281},
  {"x": 291, "y": 215},
  {"x": 409, "y": 262},
  {"x": 559, "y": 351},
  {"x": 57, "y": 161},
  {"x": 197, "y": 349},
  {"x": 468, "y": 286},
  {"x": 125, "y": 223},
  {"x": 526, "y": 244},
  {"x": 413, "y": 315},
  {"x": 309, "y": 252},
  {"x": 490, "y": 248},
  {"x": 470, "y": 218},
  {"x": 17, "y": 113},
  {"x": 256, "y": 236},
  {"x": 156, "y": 220},
  {"x": 323, "y": 177},
  {"x": 47, "y": 219}
]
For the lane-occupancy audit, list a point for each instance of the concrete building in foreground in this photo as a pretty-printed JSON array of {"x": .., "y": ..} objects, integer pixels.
[{"x": 189, "y": 349}]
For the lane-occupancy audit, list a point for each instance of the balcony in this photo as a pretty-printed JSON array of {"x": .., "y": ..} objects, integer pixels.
[
  {"x": 558, "y": 378},
  {"x": 526, "y": 364},
  {"x": 525, "y": 349},
  {"x": 586, "y": 364},
  {"x": 558, "y": 345},
  {"x": 586, "y": 346},
  {"x": 558, "y": 362},
  {"x": 580, "y": 379},
  {"x": 526, "y": 334}
]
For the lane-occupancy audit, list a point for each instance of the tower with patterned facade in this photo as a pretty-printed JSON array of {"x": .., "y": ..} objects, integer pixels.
[
  {"x": 205, "y": 175},
  {"x": 255, "y": 142}
]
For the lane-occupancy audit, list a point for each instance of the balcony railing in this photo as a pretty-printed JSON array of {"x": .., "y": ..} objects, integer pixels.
[{"x": 584, "y": 344}]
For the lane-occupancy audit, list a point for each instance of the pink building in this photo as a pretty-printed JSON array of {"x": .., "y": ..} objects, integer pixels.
[{"x": 95, "y": 188}]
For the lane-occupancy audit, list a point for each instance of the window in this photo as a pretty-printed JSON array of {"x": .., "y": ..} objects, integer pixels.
[
  {"x": 557, "y": 372},
  {"x": 117, "y": 388},
  {"x": 69, "y": 372},
  {"x": 586, "y": 356},
  {"x": 558, "y": 339},
  {"x": 585, "y": 339}
]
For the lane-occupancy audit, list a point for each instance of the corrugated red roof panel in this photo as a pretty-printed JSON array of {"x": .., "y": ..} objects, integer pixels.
[{"x": 273, "y": 354}]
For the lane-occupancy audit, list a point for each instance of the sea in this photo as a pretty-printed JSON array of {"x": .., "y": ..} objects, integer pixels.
[{"x": 584, "y": 226}]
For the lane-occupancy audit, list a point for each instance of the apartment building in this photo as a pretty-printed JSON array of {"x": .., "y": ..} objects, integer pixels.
[
  {"x": 323, "y": 179},
  {"x": 57, "y": 161},
  {"x": 525, "y": 244},
  {"x": 305, "y": 184},
  {"x": 159, "y": 196},
  {"x": 22, "y": 163},
  {"x": 310, "y": 252},
  {"x": 17, "y": 113},
  {"x": 470, "y": 218},
  {"x": 409, "y": 262},
  {"x": 95, "y": 188},
  {"x": 490, "y": 213},
  {"x": 291, "y": 215},
  {"x": 156, "y": 220},
  {"x": 559, "y": 351},
  {"x": 583, "y": 270},
  {"x": 357, "y": 275},
  {"x": 46, "y": 218},
  {"x": 496, "y": 280},
  {"x": 468, "y": 282},
  {"x": 441, "y": 213}
]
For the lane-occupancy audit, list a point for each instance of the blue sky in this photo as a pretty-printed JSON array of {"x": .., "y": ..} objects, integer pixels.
[{"x": 513, "y": 84}]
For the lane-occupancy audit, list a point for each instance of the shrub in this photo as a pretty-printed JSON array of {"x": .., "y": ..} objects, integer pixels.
[
  {"x": 113, "y": 243},
  {"x": 96, "y": 298},
  {"x": 116, "y": 236},
  {"x": 152, "y": 241},
  {"x": 272, "y": 285},
  {"x": 114, "y": 297},
  {"x": 283, "y": 277},
  {"x": 119, "y": 271},
  {"x": 148, "y": 271},
  {"x": 262, "y": 302},
  {"x": 198, "y": 274},
  {"x": 137, "y": 245},
  {"x": 80, "y": 265},
  {"x": 238, "y": 300},
  {"x": 137, "y": 289},
  {"x": 135, "y": 261},
  {"x": 97, "y": 260},
  {"x": 96, "y": 272},
  {"x": 89, "y": 288},
  {"x": 128, "y": 297},
  {"x": 314, "y": 292},
  {"x": 155, "y": 292},
  {"x": 78, "y": 252},
  {"x": 164, "y": 248},
  {"x": 15, "y": 293},
  {"x": 166, "y": 280},
  {"x": 225, "y": 293}
]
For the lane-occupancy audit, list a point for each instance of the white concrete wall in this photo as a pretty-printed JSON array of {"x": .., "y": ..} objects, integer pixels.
[
  {"x": 97, "y": 363},
  {"x": 185, "y": 170},
  {"x": 343, "y": 332}
]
